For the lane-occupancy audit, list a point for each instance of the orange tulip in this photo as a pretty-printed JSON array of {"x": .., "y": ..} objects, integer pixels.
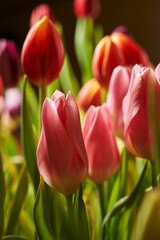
[{"x": 111, "y": 51}]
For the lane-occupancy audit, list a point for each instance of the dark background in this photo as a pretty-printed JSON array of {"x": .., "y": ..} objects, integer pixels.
[{"x": 142, "y": 17}]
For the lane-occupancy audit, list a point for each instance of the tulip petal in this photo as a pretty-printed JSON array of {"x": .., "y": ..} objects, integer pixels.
[{"x": 73, "y": 126}]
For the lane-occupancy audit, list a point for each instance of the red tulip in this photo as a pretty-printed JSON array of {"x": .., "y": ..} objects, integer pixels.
[
  {"x": 61, "y": 154},
  {"x": 111, "y": 51},
  {"x": 39, "y": 12},
  {"x": 118, "y": 88},
  {"x": 100, "y": 142},
  {"x": 138, "y": 132},
  {"x": 86, "y": 8},
  {"x": 42, "y": 53},
  {"x": 90, "y": 94},
  {"x": 10, "y": 69}
]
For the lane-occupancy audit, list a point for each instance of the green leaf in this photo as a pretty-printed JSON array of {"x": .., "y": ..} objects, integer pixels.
[
  {"x": 18, "y": 201},
  {"x": 2, "y": 196},
  {"x": 41, "y": 217},
  {"x": 31, "y": 99},
  {"x": 127, "y": 201},
  {"x": 67, "y": 78},
  {"x": 13, "y": 237},
  {"x": 81, "y": 217},
  {"x": 84, "y": 38},
  {"x": 28, "y": 141}
]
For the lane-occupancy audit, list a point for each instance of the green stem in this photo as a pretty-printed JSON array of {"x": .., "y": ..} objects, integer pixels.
[
  {"x": 70, "y": 207},
  {"x": 154, "y": 173},
  {"x": 42, "y": 95},
  {"x": 101, "y": 198}
]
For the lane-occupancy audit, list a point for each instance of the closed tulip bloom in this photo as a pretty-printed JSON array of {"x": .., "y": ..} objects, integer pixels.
[
  {"x": 138, "y": 131},
  {"x": 10, "y": 69},
  {"x": 118, "y": 88},
  {"x": 39, "y": 12},
  {"x": 86, "y": 8},
  {"x": 100, "y": 142},
  {"x": 90, "y": 94},
  {"x": 42, "y": 53},
  {"x": 61, "y": 154},
  {"x": 111, "y": 51}
]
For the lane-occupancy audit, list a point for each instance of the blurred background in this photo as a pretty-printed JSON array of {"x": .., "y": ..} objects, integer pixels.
[{"x": 142, "y": 17}]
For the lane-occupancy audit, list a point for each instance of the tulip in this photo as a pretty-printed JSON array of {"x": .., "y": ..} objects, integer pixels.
[
  {"x": 111, "y": 51},
  {"x": 13, "y": 101},
  {"x": 100, "y": 142},
  {"x": 42, "y": 53},
  {"x": 138, "y": 130},
  {"x": 90, "y": 94},
  {"x": 86, "y": 8},
  {"x": 118, "y": 88},
  {"x": 61, "y": 155},
  {"x": 39, "y": 12},
  {"x": 10, "y": 69}
]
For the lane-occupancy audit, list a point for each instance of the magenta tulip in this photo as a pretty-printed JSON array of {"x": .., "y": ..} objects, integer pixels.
[
  {"x": 86, "y": 8},
  {"x": 118, "y": 88},
  {"x": 61, "y": 155},
  {"x": 100, "y": 142},
  {"x": 138, "y": 132},
  {"x": 10, "y": 69},
  {"x": 13, "y": 102}
]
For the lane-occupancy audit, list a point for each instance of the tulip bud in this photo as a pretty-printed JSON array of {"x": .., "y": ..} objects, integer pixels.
[
  {"x": 13, "y": 100},
  {"x": 86, "y": 8},
  {"x": 90, "y": 94},
  {"x": 111, "y": 51},
  {"x": 118, "y": 88},
  {"x": 10, "y": 69},
  {"x": 61, "y": 155},
  {"x": 39, "y": 12},
  {"x": 138, "y": 131},
  {"x": 148, "y": 218},
  {"x": 100, "y": 142},
  {"x": 42, "y": 53}
]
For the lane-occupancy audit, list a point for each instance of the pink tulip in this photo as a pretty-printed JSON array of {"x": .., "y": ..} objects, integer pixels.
[
  {"x": 42, "y": 53},
  {"x": 61, "y": 154},
  {"x": 138, "y": 132},
  {"x": 100, "y": 142},
  {"x": 86, "y": 8},
  {"x": 41, "y": 11},
  {"x": 10, "y": 69},
  {"x": 118, "y": 88}
]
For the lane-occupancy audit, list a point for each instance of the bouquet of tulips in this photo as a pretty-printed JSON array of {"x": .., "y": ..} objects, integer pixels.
[{"x": 79, "y": 158}]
